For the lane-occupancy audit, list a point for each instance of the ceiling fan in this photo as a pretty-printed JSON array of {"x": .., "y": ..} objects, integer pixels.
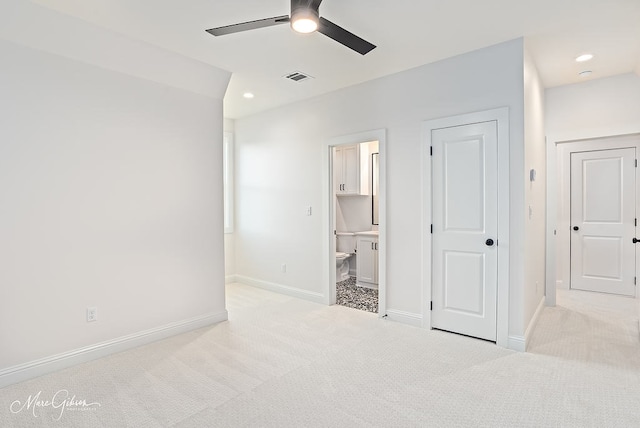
[{"x": 305, "y": 18}]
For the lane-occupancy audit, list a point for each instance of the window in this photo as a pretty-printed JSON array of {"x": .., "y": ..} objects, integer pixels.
[{"x": 227, "y": 172}]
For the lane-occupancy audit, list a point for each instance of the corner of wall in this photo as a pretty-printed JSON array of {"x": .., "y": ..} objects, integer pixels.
[
  {"x": 229, "y": 125},
  {"x": 534, "y": 181},
  {"x": 520, "y": 343}
]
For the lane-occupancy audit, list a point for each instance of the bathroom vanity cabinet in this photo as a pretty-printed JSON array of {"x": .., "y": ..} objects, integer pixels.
[
  {"x": 348, "y": 172},
  {"x": 367, "y": 259}
]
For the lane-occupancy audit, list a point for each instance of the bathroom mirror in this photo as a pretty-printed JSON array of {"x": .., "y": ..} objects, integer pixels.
[{"x": 374, "y": 188}]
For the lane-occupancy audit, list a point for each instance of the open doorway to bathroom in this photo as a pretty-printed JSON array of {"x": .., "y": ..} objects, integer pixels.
[{"x": 355, "y": 196}]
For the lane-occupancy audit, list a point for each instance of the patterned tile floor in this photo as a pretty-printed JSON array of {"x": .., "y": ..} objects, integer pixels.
[{"x": 350, "y": 295}]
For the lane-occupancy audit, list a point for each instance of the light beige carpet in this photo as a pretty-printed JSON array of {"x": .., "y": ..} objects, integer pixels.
[{"x": 284, "y": 362}]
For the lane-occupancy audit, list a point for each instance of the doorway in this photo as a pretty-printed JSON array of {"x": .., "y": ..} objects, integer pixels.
[
  {"x": 465, "y": 229},
  {"x": 368, "y": 193},
  {"x": 466, "y": 214},
  {"x": 597, "y": 155}
]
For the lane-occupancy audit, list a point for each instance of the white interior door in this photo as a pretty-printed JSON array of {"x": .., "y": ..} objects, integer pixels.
[
  {"x": 465, "y": 229},
  {"x": 603, "y": 221}
]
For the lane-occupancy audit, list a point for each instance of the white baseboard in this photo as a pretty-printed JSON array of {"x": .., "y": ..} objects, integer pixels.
[
  {"x": 282, "y": 289},
  {"x": 534, "y": 321},
  {"x": 61, "y": 361},
  {"x": 404, "y": 317},
  {"x": 519, "y": 343},
  {"x": 367, "y": 285},
  {"x": 230, "y": 279}
]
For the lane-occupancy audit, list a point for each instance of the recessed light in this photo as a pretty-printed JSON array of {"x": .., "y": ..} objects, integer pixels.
[
  {"x": 585, "y": 73},
  {"x": 584, "y": 57},
  {"x": 248, "y": 95}
]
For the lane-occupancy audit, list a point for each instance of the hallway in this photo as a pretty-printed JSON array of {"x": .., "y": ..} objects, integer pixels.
[{"x": 590, "y": 327}]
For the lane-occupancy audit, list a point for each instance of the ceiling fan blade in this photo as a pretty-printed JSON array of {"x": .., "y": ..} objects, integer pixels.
[
  {"x": 251, "y": 25},
  {"x": 345, "y": 37}
]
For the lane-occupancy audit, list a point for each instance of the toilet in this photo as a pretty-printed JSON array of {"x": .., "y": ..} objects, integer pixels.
[
  {"x": 342, "y": 266},
  {"x": 345, "y": 249}
]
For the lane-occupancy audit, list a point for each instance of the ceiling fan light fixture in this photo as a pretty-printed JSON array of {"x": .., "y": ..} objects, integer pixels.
[{"x": 305, "y": 20}]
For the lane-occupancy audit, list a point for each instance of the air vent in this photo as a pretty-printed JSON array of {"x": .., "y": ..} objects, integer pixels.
[{"x": 297, "y": 76}]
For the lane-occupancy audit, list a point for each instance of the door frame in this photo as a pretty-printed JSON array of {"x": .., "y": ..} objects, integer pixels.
[
  {"x": 329, "y": 209},
  {"x": 560, "y": 203},
  {"x": 501, "y": 117}
]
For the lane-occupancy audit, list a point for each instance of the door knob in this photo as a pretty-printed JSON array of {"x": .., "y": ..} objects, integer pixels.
[
  {"x": 489, "y": 242},
  {"x": 635, "y": 240},
  {"x": 576, "y": 228}
]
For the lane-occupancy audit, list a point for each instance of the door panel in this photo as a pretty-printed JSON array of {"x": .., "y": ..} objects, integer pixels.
[
  {"x": 463, "y": 164},
  {"x": 464, "y": 282},
  {"x": 465, "y": 203},
  {"x": 602, "y": 190},
  {"x": 602, "y": 257},
  {"x": 338, "y": 169},
  {"x": 351, "y": 170},
  {"x": 602, "y": 221},
  {"x": 366, "y": 263}
]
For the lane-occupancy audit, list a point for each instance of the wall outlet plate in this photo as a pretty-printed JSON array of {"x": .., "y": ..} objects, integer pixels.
[{"x": 92, "y": 314}]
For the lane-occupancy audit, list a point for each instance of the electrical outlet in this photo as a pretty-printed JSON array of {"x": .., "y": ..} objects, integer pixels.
[
  {"x": 284, "y": 268},
  {"x": 92, "y": 314}
]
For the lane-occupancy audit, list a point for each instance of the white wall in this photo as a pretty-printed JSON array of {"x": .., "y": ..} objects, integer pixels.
[
  {"x": 596, "y": 108},
  {"x": 535, "y": 193},
  {"x": 353, "y": 213},
  {"x": 279, "y": 169},
  {"x": 111, "y": 193},
  {"x": 229, "y": 238},
  {"x": 229, "y": 257}
]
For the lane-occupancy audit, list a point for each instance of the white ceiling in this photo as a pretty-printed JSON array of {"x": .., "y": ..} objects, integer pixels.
[{"x": 408, "y": 33}]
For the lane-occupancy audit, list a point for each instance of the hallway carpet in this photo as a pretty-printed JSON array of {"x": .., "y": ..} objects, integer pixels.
[
  {"x": 284, "y": 362},
  {"x": 590, "y": 328}
]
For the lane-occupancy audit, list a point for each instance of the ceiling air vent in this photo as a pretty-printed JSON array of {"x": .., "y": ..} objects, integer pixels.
[{"x": 297, "y": 76}]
